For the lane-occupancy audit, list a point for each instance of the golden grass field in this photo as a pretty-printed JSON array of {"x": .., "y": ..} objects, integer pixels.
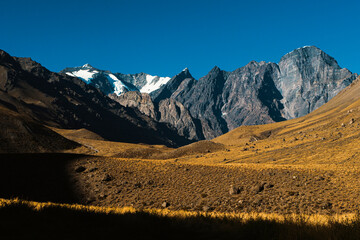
[
  {"x": 301, "y": 174},
  {"x": 307, "y": 165}
]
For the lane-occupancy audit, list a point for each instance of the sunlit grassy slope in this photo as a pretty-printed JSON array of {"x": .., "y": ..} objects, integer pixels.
[
  {"x": 308, "y": 165},
  {"x": 33, "y": 220},
  {"x": 328, "y": 136},
  {"x": 312, "y": 164}
]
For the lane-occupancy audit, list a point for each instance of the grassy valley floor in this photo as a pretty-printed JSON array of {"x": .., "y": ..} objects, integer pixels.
[{"x": 309, "y": 166}]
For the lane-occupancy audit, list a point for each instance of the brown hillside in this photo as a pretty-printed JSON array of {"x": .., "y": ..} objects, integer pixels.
[{"x": 19, "y": 133}]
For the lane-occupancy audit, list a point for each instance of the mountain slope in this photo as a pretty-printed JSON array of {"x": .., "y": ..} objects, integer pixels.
[
  {"x": 21, "y": 134},
  {"x": 66, "y": 102}
]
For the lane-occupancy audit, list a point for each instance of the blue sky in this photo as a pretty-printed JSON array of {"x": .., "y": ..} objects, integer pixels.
[{"x": 164, "y": 37}]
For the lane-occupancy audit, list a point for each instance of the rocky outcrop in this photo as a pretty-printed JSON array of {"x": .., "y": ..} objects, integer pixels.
[
  {"x": 204, "y": 101},
  {"x": 140, "y": 101},
  {"x": 250, "y": 96},
  {"x": 167, "y": 111},
  {"x": 174, "y": 113},
  {"x": 309, "y": 78}
]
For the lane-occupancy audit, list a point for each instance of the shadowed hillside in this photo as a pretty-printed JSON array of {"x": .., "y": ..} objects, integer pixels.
[
  {"x": 40, "y": 177},
  {"x": 19, "y": 133}
]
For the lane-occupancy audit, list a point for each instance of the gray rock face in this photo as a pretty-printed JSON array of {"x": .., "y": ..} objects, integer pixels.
[
  {"x": 225, "y": 100},
  {"x": 250, "y": 96},
  {"x": 167, "y": 111},
  {"x": 174, "y": 113},
  {"x": 140, "y": 101},
  {"x": 137, "y": 79},
  {"x": 309, "y": 78},
  {"x": 204, "y": 101},
  {"x": 259, "y": 93}
]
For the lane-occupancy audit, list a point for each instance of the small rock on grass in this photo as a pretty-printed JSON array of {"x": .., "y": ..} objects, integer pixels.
[
  {"x": 206, "y": 208},
  {"x": 165, "y": 204},
  {"x": 258, "y": 188},
  {"x": 107, "y": 178},
  {"x": 234, "y": 190}
]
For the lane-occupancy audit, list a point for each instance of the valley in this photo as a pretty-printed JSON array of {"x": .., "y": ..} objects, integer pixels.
[{"x": 307, "y": 166}]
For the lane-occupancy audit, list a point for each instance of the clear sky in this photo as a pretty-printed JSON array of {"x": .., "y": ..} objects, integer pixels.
[{"x": 164, "y": 37}]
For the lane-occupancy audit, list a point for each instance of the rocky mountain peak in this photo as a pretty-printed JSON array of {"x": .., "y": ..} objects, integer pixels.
[
  {"x": 4, "y": 56},
  {"x": 309, "y": 78},
  {"x": 216, "y": 76},
  {"x": 6, "y": 59},
  {"x": 215, "y": 70},
  {"x": 185, "y": 73},
  {"x": 309, "y": 54},
  {"x": 172, "y": 85},
  {"x": 88, "y": 66}
]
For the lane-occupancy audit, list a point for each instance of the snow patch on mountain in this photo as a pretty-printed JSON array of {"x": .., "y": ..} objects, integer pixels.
[
  {"x": 153, "y": 83},
  {"x": 121, "y": 83},
  {"x": 84, "y": 74},
  {"x": 119, "y": 87}
]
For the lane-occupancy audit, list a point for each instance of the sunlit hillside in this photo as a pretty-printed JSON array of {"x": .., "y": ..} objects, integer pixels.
[{"x": 307, "y": 166}]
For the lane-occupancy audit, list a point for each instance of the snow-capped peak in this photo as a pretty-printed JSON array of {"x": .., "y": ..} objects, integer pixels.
[
  {"x": 86, "y": 72},
  {"x": 87, "y": 66},
  {"x": 185, "y": 69}
]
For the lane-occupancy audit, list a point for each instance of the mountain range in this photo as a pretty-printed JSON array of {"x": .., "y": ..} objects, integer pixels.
[
  {"x": 142, "y": 108},
  {"x": 257, "y": 93}
]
